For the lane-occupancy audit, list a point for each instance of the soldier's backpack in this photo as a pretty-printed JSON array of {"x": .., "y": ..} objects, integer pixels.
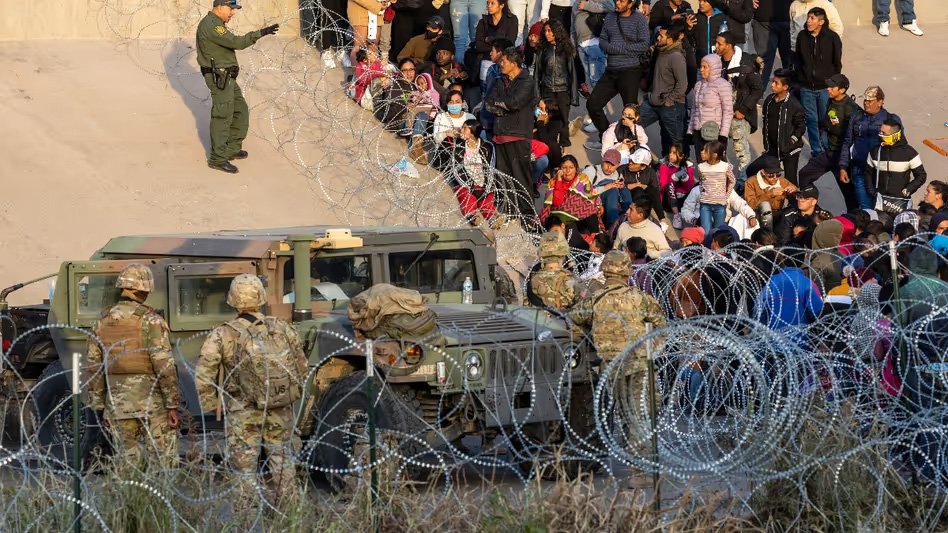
[{"x": 266, "y": 367}]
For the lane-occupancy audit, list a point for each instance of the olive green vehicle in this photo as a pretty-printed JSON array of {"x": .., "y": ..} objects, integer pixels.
[{"x": 492, "y": 370}]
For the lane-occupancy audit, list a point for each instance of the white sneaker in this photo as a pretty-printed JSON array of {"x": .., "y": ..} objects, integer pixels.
[
  {"x": 592, "y": 145},
  {"x": 589, "y": 127},
  {"x": 677, "y": 222},
  {"x": 884, "y": 29},
  {"x": 913, "y": 27}
]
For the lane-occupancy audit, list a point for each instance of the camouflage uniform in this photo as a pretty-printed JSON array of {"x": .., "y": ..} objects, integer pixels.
[
  {"x": 616, "y": 316},
  {"x": 248, "y": 427},
  {"x": 555, "y": 286},
  {"x": 140, "y": 384}
]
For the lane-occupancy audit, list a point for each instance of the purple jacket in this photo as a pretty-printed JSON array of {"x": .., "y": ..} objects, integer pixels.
[{"x": 713, "y": 99}]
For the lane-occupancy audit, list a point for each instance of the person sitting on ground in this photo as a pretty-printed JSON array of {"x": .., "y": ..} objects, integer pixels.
[
  {"x": 936, "y": 195},
  {"x": 790, "y": 299},
  {"x": 368, "y": 68},
  {"x": 826, "y": 267},
  {"x": 425, "y": 102},
  {"x": 444, "y": 70},
  {"x": 806, "y": 207},
  {"x": 472, "y": 176},
  {"x": 637, "y": 224},
  {"x": 571, "y": 198},
  {"x": 610, "y": 187},
  {"x": 735, "y": 207},
  {"x": 625, "y": 135},
  {"x": 767, "y": 192},
  {"x": 676, "y": 176},
  {"x": 640, "y": 178},
  {"x": 447, "y": 128},
  {"x": 419, "y": 48},
  {"x": 548, "y": 129}
]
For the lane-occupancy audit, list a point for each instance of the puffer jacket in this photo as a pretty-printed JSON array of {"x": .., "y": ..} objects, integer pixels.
[
  {"x": 713, "y": 100},
  {"x": 790, "y": 126},
  {"x": 888, "y": 170},
  {"x": 862, "y": 136},
  {"x": 798, "y": 11}
]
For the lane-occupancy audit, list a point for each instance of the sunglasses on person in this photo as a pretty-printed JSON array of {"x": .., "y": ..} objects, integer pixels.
[
  {"x": 629, "y": 117},
  {"x": 772, "y": 175}
]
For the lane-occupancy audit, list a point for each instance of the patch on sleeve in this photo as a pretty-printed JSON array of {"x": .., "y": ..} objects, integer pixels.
[{"x": 220, "y": 30}]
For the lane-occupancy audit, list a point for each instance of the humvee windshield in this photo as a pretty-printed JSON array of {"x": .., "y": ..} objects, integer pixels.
[
  {"x": 332, "y": 278},
  {"x": 436, "y": 271}
]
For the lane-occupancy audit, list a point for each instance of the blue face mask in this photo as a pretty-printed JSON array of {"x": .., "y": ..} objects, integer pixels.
[
  {"x": 537, "y": 112},
  {"x": 454, "y": 109}
]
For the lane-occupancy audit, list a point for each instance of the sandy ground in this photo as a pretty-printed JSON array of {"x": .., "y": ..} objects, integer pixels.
[{"x": 106, "y": 140}]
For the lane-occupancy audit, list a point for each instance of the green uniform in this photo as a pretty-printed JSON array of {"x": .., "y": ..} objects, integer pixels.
[
  {"x": 230, "y": 117},
  {"x": 139, "y": 385}
]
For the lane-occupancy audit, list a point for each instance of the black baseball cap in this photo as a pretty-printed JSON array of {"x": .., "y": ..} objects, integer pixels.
[
  {"x": 435, "y": 22},
  {"x": 810, "y": 192},
  {"x": 231, "y": 3},
  {"x": 838, "y": 80},
  {"x": 771, "y": 165}
]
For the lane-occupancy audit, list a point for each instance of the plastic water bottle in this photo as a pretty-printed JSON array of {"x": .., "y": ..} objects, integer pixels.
[
  {"x": 467, "y": 291},
  {"x": 724, "y": 28}
]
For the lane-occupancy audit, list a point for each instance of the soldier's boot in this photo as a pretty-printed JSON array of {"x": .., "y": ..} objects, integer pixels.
[
  {"x": 241, "y": 154},
  {"x": 225, "y": 166}
]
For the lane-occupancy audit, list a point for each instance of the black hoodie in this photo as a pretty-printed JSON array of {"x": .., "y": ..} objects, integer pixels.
[{"x": 818, "y": 58}]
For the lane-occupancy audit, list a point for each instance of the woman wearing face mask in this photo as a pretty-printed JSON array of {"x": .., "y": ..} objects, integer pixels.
[
  {"x": 548, "y": 129},
  {"x": 447, "y": 128}
]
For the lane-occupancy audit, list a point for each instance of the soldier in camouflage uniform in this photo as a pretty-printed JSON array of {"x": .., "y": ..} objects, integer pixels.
[
  {"x": 230, "y": 117},
  {"x": 554, "y": 286},
  {"x": 222, "y": 370},
  {"x": 133, "y": 376},
  {"x": 616, "y": 316}
]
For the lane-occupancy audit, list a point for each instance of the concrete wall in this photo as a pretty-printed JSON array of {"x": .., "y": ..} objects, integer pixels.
[{"x": 131, "y": 19}]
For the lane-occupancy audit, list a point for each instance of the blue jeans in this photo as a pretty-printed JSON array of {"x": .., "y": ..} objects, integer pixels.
[
  {"x": 464, "y": 17},
  {"x": 906, "y": 7},
  {"x": 614, "y": 204},
  {"x": 594, "y": 63},
  {"x": 712, "y": 216},
  {"x": 770, "y": 38},
  {"x": 858, "y": 175},
  {"x": 420, "y": 125},
  {"x": 815, "y": 103},
  {"x": 672, "y": 121},
  {"x": 539, "y": 167}
]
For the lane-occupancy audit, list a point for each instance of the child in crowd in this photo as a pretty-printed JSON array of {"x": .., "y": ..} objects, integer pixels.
[
  {"x": 676, "y": 177},
  {"x": 717, "y": 183},
  {"x": 368, "y": 67}
]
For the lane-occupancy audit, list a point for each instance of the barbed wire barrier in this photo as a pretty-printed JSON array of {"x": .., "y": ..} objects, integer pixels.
[{"x": 835, "y": 422}]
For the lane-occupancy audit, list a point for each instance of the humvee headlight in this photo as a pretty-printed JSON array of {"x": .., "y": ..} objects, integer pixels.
[
  {"x": 473, "y": 365},
  {"x": 413, "y": 354}
]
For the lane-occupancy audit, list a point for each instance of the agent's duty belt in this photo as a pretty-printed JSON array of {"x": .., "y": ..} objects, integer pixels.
[{"x": 232, "y": 71}]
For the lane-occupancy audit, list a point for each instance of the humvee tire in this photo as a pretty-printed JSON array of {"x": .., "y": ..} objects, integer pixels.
[
  {"x": 52, "y": 412},
  {"x": 340, "y": 442}
]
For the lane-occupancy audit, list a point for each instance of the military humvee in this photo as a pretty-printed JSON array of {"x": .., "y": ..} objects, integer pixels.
[{"x": 492, "y": 366}]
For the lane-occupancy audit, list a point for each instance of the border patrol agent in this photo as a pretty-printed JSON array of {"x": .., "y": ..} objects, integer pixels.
[{"x": 230, "y": 117}]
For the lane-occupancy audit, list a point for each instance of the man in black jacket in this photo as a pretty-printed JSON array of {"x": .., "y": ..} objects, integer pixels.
[
  {"x": 742, "y": 69},
  {"x": 833, "y": 127},
  {"x": 772, "y": 33},
  {"x": 889, "y": 167},
  {"x": 512, "y": 102},
  {"x": 784, "y": 124},
  {"x": 819, "y": 56}
]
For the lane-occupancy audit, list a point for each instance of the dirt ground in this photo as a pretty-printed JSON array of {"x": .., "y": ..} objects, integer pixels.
[{"x": 106, "y": 140}]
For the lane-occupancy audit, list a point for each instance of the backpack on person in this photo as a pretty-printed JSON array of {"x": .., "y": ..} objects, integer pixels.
[{"x": 266, "y": 369}]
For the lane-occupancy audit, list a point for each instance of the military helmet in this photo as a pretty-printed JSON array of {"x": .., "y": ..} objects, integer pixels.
[
  {"x": 246, "y": 292},
  {"x": 136, "y": 277},
  {"x": 616, "y": 263},
  {"x": 553, "y": 244}
]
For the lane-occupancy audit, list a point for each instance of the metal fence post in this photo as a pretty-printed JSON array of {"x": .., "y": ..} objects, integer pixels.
[
  {"x": 76, "y": 464},
  {"x": 653, "y": 413},
  {"x": 370, "y": 395}
]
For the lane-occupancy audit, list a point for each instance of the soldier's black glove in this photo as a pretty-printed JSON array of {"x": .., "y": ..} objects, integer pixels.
[{"x": 269, "y": 30}]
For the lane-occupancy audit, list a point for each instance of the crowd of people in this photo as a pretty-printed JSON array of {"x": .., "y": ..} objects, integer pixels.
[{"x": 494, "y": 119}]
